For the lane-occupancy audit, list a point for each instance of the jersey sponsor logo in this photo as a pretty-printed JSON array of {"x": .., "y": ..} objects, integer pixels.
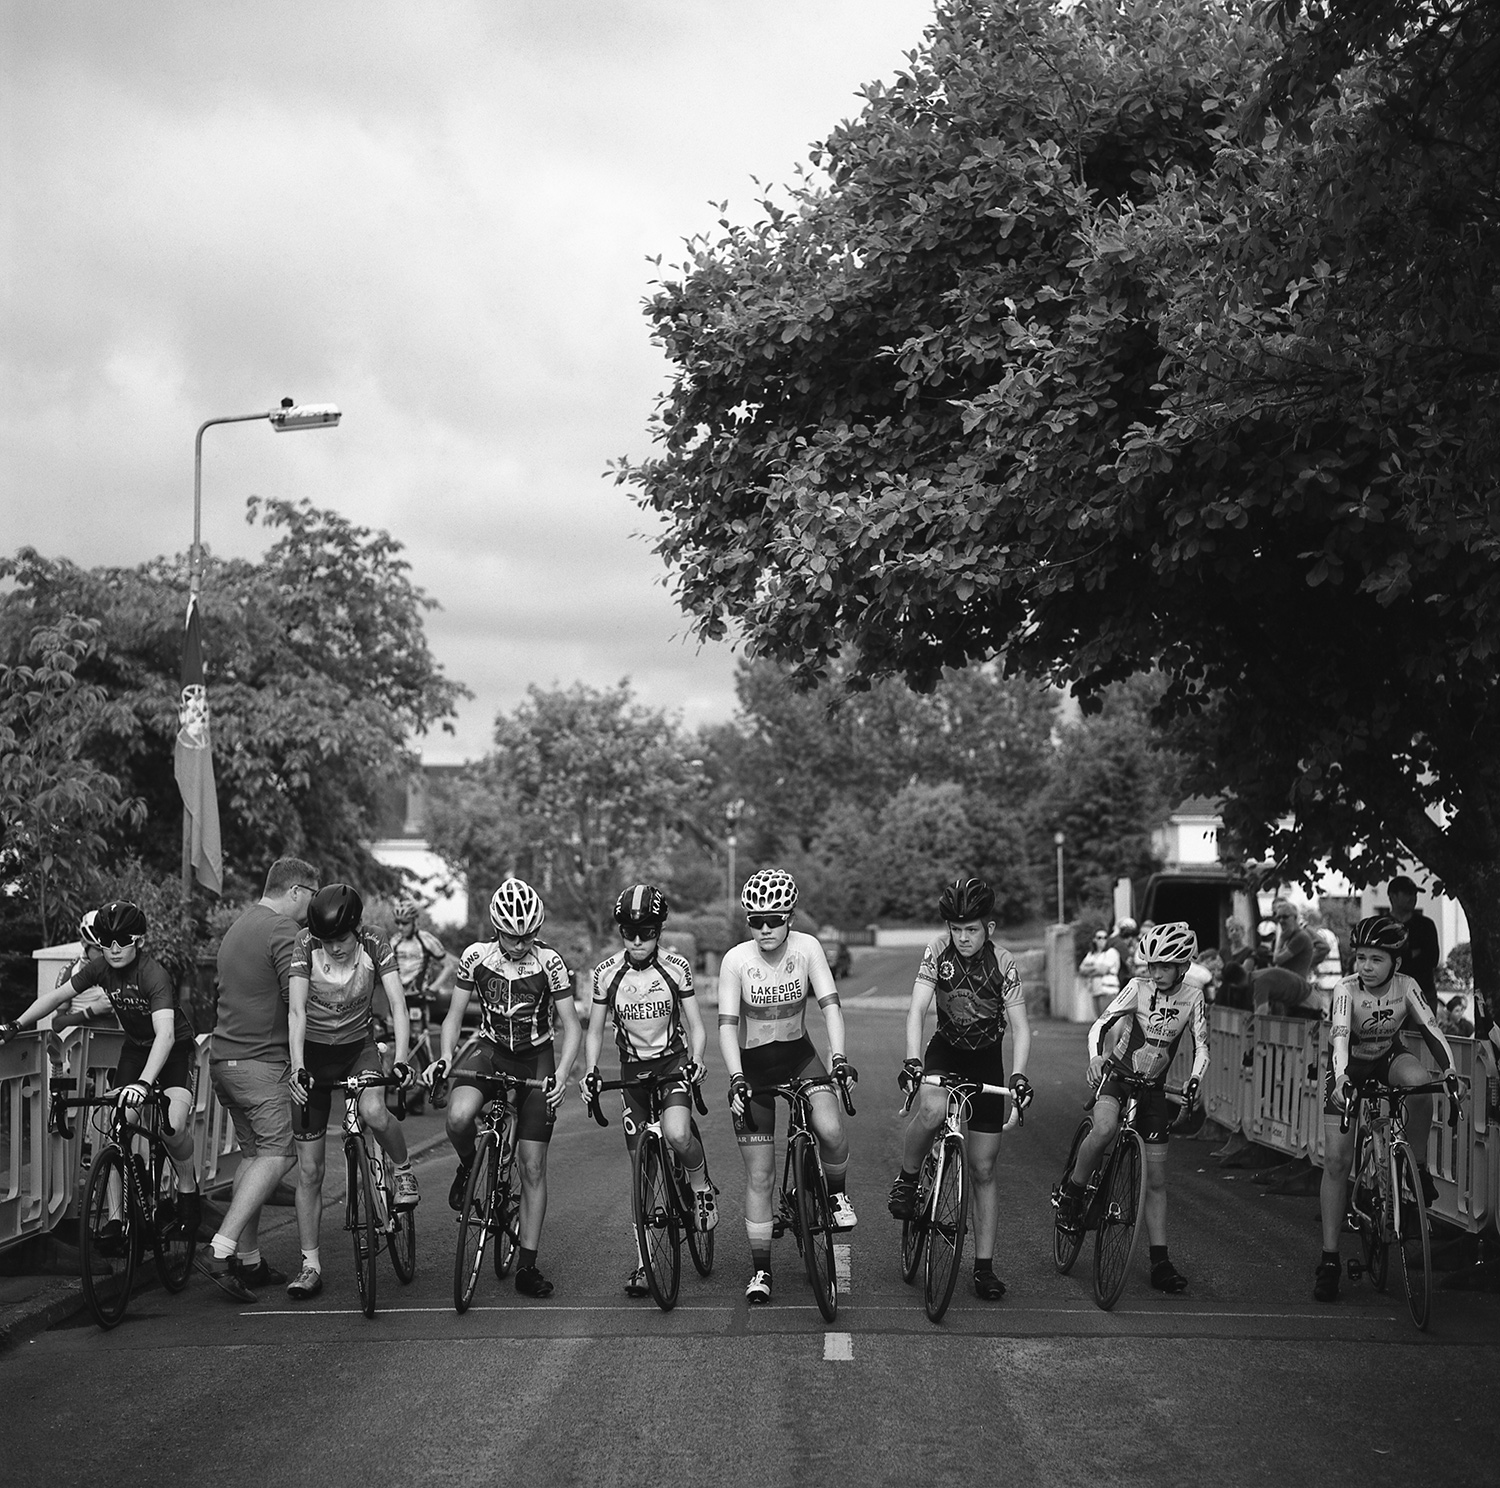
[
  {"x": 781, "y": 993},
  {"x": 945, "y": 970},
  {"x": 1163, "y": 1018}
]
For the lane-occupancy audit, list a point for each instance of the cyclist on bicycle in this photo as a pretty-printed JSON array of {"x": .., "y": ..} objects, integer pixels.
[
  {"x": 93, "y": 1005},
  {"x": 1138, "y": 1035},
  {"x": 1370, "y": 1008},
  {"x": 768, "y": 979},
  {"x": 524, "y": 991},
  {"x": 649, "y": 992},
  {"x": 976, "y": 985},
  {"x": 160, "y": 1051},
  {"x": 337, "y": 965}
]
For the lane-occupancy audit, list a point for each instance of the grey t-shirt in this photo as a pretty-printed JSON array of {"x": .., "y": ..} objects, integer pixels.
[{"x": 255, "y": 962}]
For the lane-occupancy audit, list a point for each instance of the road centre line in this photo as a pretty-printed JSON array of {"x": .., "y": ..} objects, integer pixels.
[
  {"x": 838, "y": 1348},
  {"x": 843, "y": 1268}
]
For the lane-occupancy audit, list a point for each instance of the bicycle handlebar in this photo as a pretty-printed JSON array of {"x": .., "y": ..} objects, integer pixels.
[
  {"x": 793, "y": 1091},
  {"x": 1375, "y": 1089},
  {"x": 62, "y": 1103},
  {"x": 358, "y": 1083},
  {"x": 969, "y": 1088},
  {"x": 651, "y": 1079}
]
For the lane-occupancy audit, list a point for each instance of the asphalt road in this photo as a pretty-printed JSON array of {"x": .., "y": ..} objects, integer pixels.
[{"x": 1243, "y": 1379}]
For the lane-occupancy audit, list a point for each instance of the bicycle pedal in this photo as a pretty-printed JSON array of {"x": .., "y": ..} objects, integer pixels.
[{"x": 1355, "y": 1268}]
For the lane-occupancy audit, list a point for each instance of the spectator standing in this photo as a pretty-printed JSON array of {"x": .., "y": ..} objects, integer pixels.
[
  {"x": 1423, "y": 953},
  {"x": 1239, "y": 964},
  {"x": 250, "y": 1064},
  {"x": 1100, "y": 970},
  {"x": 1123, "y": 940}
]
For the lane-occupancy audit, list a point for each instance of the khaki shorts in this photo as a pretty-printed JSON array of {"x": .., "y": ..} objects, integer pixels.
[{"x": 255, "y": 1093}]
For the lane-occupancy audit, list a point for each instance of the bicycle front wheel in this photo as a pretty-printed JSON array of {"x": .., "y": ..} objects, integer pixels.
[
  {"x": 474, "y": 1222},
  {"x": 1067, "y": 1243},
  {"x": 815, "y": 1217},
  {"x": 700, "y": 1242},
  {"x": 359, "y": 1220},
  {"x": 914, "y": 1230},
  {"x": 1414, "y": 1236},
  {"x": 170, "y": 1239},
  {"x": 658, "y": 1228},
  {"x": 1375, "y": 1229},
  {"x": 108, "y": 1243},
  {"x": 1122, "y": 1196},
  {"x": 945, "y": 1230}
]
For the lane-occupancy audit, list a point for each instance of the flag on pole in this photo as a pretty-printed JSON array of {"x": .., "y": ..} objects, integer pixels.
[{"x": 194, "y": 763}]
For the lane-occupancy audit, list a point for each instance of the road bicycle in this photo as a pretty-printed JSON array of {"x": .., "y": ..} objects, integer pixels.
[
  {"x": 662, "y": 1201},
  {"x": 130, "y": 1200},
  {"x": 802, "y": 1203},
  {"x": 492, "y": 1201},
  {"x": 1386, "y": 1204},
  {"x": 937, "y": 1227},
  {"x": 370, "y": 1211},
  {"x": 1113, "y": 1197}
]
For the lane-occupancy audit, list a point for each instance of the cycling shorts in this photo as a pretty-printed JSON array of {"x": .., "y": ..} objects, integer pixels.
[
  {"x": 1154, "y": 1113},
  {"x": 1360, "y": 1070},
  {"x": 534, "y": 1117},
  {"x": 985, "y": 1066},
  {"x": 774, "y": 1064},
  {"x": 330, "y": 1062},
  {"x": 176, "y": 1073},
  {"x": 634, "y": 1109}
]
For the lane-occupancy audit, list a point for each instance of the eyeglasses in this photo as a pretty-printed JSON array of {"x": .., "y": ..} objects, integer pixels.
[
  {"x": 766, "y": 921},
  {"x": 1285, "y": 914},
  {"x": 121, "y": 945},
  {"x": 640, "y": 930},
  {"x": 311, "y": 888}
]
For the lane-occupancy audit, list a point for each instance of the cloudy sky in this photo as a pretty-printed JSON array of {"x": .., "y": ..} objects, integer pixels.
[{"x": 436, "y": 216}]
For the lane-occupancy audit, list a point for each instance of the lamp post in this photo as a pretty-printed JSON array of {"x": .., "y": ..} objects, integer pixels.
[
  {"x": 732, "y": 813},
  {"x": 284, "y": 419},
  {"x": 1057, "y": 840}
]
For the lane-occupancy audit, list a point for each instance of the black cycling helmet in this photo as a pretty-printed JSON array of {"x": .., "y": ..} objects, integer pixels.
[
  {"x": 966, "y": 899},
  {"x": 1380, "y": 932},
  {"x": 641, "y": 904},
  {"x": 119, "y": 923},
  {"x": 335, "y": 910}
]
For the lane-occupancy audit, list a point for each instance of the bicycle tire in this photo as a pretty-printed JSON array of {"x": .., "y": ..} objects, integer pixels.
[
  {"x": 359, "y": 1219},
  {"x": 108, "y": 1266},
  {"x": 1414, "y": 1236},
  {"x": 1374, "y": 1237},
  {"x": 700, "y": 1242},
  {"x": 401, "y": 1237},
  {"x": 815, "y": 1219},
  {"x": 658, "y": 1226},
  {"x": 507, "y": 1235},
  {"x": 171, "y": 1244},
  {"x": 1066, "y": 1244},
  {"x": 914, "y": 1230},
  {"x": 945, "y": 1230},
  {"x": 1122, "y": 1196},
  {"x": 474, "y": 1220}
]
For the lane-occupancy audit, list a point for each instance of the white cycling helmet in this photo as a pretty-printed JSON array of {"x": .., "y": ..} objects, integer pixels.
[
  {"x": 516, "y": 909},
  {"x": 1172, "y": 942},
  {"x": 771, "y": 891},
  {"x": 86, "y": 929}
]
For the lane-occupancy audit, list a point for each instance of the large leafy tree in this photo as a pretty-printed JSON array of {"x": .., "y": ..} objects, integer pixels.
[
  {"x": 318, "y": 674},
  {"x": 1053, "y": 363}
]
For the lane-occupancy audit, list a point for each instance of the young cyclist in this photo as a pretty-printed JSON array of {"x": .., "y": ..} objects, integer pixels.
[
  {"x": 337, "y": 966},
  {"x": 977, "y": 989},
  {"x": 159, "y": 1050},
  {"x": 1370, "y": 1008},
  {"x": 1138, "y": 1035},
  {"x": 649, "y": 993},
  {"x": 91, "y": 1006},
  {"x": 422, "y": 960},
  {"x": 764, "y": 984},
  {"x": 524, "y": 990}
]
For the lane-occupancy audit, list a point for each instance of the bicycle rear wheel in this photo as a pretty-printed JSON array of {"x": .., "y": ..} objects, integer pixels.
[
  {"x": 1122, "y": 1196},
  {"x": 1067, "y": 1243},
  {"x": 945, "y": 1232},
  {"x": 359, "y": 1219},
  {"x": 171, "y": 1242},
  {"x": 108, "y": 1257},
  {"x": 474, "y": 1222},
  {"x": 401, "y": 1237},
  {"x": 700, "y": 1242},
  {"x": 1414, "y": 1236},
  {"x": 914, "y": 1230},
  {"x": 658, "y": 1228},
  {"x": 815, "y": 1220}
]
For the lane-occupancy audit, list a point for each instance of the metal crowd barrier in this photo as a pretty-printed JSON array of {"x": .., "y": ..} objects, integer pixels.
[{"x": 23, "y": 1140}]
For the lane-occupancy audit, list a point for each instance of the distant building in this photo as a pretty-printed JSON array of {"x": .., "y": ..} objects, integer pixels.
[{"x": 401, "y": 842}]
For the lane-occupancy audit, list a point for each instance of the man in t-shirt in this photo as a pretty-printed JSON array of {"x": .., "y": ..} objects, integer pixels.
[
  {"x": 250, "y": 1064},
  {"x": 1423, "y": 952}
]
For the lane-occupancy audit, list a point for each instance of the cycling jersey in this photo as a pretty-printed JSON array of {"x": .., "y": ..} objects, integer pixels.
[
  {"x": 646, "y": 1002},
  {"x": 972, "y": 995},
  {"x": 135, "y": 992},
  {"x": 1363, "y": 1025},
  {"x": 1141, "y": 1029},
  {"x": 340, "y": 994},
  {"x": 415, "y": 955},
  {"x": 515, "y": 997},
  {"x": 772, "y": 995}
]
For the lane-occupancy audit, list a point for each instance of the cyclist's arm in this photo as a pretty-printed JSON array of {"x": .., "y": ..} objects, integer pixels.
[
  {"x": 825, "y": 989},
  {"x": 45, "y": 1004},
  {"x": 296, "y": 1020},
  {"x": 400, "y": 1017},
  {"x": 1022, "y": 1025},
  {"x": 1432, "y": 1035},
  {"x": 453, "y": 1025},
  {"x": 1122, "y": 1007},
  {"x": 164, "y": 1035},
  {"x": 593, "y": 1045},
  {"x": 567, "y": 1013},
  {"x": 697, "y": 1033},
  {"x": 922, "y": 995},
  {"x": 1338, "y": 1034},
  {"x": 729, "y": 1020},
  {"x": 1200, "y": 1038}
]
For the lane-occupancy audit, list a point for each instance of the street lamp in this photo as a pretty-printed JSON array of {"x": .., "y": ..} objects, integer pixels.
[
  {"x": 289, "y": 416},
  {"x": 732, "y": 813},
  {"x": 1057, "y": 841}
]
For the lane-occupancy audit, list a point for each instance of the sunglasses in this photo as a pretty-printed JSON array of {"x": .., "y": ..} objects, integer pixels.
[
  {"x": 640, "y": 930},
  {"x": 766, "y": 921},
  {"x": 516, "y": 940},
  {"x": 121, "y": 945}
]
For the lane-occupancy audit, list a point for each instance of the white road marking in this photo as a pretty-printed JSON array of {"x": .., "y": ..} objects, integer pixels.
[
  {"x": 838, "y": 1348},
  {"x": 841, "y": 1268}
]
